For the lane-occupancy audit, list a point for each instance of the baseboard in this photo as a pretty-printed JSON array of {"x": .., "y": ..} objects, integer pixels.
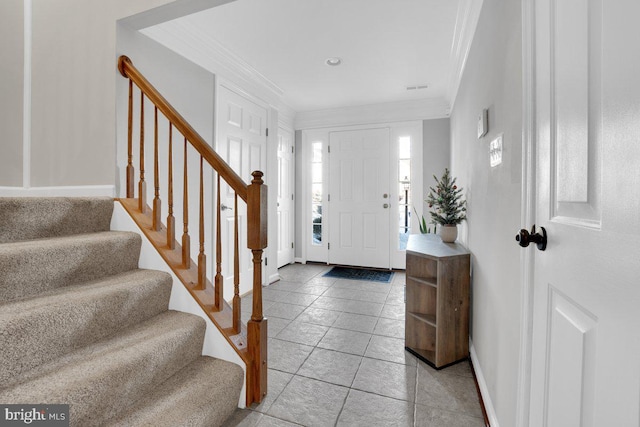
[
  {"x": 71, "y": 191},
  {"x": 299, "y": 261},
  {"x": 482, "y": 384},
  {"x": 274, "y": 278}
]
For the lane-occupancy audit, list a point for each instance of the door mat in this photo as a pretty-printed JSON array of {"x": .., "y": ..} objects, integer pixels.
[{"x": 360, "y": 274}]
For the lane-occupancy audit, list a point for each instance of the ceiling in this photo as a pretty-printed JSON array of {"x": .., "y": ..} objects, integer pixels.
[{"x": 385, "y": 46}]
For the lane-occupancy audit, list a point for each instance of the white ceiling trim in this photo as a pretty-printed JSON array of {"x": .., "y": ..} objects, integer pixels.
[
  {"x": 209, "y": 54},
  {"x": 466, "y": 22},
  {"x": 399, "y": 111}
]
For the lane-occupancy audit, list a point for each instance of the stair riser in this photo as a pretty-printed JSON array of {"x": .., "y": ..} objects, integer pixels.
[
  {"x": 25, "y": 218},
  {"x": 102, "y": 389},
  {"x": 203, "y": 394},
  {"x": 29, "y": 269},
  {"x": 49, "y": 328}
]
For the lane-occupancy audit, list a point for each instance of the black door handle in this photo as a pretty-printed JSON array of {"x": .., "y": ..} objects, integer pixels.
[{"x": 525, "y": 237}]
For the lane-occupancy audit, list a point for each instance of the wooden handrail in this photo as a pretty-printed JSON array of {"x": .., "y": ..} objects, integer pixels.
[
  {"x": 193, "y": 274},
  {"x": 126, "y": 68}
]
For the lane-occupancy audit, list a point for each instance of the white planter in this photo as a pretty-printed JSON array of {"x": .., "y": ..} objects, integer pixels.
[{"x": 449, "y": 233}]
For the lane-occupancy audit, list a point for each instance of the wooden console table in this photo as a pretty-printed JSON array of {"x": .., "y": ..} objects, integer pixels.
[{"x": 437, "y": 300}]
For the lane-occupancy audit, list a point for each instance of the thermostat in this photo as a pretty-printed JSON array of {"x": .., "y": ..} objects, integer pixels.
[{"x": 483, "y": 123}]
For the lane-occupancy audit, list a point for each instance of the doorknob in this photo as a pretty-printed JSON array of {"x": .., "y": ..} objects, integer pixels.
[
  {"x": 225, "y": 207},
  {"x": 525, "y": 237},
  {"x": 386, "y": 205}
]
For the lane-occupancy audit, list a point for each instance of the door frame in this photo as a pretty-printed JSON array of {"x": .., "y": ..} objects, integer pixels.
[
  {"x": 320, "y": 253},
  {"x": 528, "y": 209}
]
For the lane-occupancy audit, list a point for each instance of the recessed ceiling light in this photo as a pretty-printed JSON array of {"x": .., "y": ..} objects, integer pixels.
[{"x": 333, "y": 61}]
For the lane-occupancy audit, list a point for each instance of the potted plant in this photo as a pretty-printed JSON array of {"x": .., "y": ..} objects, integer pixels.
[{"x": 447, "y": 207}]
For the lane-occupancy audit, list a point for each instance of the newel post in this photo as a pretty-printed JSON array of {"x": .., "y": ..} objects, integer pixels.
[{"x": 257, "y": 325}]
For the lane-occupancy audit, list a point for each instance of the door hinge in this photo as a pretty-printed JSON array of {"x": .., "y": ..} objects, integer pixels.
[
  {"x": 328, "y": 148},
  {"x": 328, "y": 246},
  {"x": 291, "y": 245},
  {"x": 267, "y": 131},
  {"x": 328, "y": 197},
  {"x": 265, "y": 261},
  {"x": 292, "y": 197},
  {"x": 292, "y": 148}
]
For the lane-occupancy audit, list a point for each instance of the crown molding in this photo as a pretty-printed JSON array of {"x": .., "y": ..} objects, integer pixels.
[
  {"x": 466, "y": 23},
  {"x": 416, "y": 109},
  {"x": 208, "y": 53}
]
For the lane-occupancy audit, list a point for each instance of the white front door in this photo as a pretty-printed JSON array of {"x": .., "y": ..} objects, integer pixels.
[
  {"x": 359, "y": 202},
  {"x": 242, "y": 142},
  {"x": 285, "y": 197},
  {"x": 586, "y": 296}
]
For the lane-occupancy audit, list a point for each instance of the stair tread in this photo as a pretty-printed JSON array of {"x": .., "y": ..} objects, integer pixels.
[
  {"x": 105, "y": 378},
  {"x": 38, "y": 329},
  {"x": 61, "y": 241},
  {"x": 189, "y": 398},
  {"x": 25, "y": 218},
  {"x": 36, "y": 266}
]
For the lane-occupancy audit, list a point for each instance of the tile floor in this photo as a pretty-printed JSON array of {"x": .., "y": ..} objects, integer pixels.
[{"x": 337, "y": 358}]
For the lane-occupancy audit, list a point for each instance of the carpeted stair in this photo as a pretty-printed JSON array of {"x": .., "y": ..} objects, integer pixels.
[{"x": 81, "y": 324}]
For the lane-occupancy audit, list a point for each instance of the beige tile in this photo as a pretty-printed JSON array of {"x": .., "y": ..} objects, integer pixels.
[
  {"x": 390, "y": 311},
  {"x": 356, "y": 322},
  {"x": 390, "y": 328},
  {"x": 283, "y": 310},
  {"x": 387, "y": 379},
  {"x": 369, "y": 410},
  {"x": 303, "y": 333},
  {"x": 287, "y": 356},
  {"x": 309, "y": 402},
  {"x": 427, "y": 416},
  {"x": 389, "y": 349},
  {"x": 277, "y": 381},
  {"x": 446, "y": 391},
  {"x": 331, "y": 366},
  {"x": 345, "y": 341},
  {"x": 319, "y": 316}
]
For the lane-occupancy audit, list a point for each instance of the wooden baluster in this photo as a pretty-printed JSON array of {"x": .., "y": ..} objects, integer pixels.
[
  {"x": 257, "y": 325},
  {"x": 157, "y": 204},
  {"x": 130, "y": 170},
  {"x": 219, "y": 280},
  {"x": 202, "y": 258},
  {"x": 236, "y": 269},
  {"x": 171, "y": 221},
  {"x": 142, "y": 185},
  {"x": 186, "y": 240}
]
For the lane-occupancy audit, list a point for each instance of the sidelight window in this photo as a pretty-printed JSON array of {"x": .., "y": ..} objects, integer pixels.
[
  {"x": 404, "y": 191},
  {"x": 316, "y": 193}
]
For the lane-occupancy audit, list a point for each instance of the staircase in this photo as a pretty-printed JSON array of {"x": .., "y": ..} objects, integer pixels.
[{"x": 81, "y": 324}]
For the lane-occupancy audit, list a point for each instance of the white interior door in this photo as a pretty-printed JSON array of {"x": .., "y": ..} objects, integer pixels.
[
  {"x": 285, "y": 197},
  {"x": 586, "y": 320},
  {"x": 359, "y": 203},
  {"x": 242, "y": 142}
]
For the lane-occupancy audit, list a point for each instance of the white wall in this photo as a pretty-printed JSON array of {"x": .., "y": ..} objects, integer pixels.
[
  {"x": 11, "y": 91},
  {"x": 435, "y": 157},
  {"x": 493, "y": 79},
  {"x": 190, "y": 89},
  {"x": 70, "y": 111}
]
